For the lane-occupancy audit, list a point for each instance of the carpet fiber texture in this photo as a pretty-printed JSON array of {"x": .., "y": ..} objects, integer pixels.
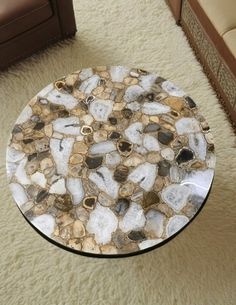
[{"x": 197, "y": 267}]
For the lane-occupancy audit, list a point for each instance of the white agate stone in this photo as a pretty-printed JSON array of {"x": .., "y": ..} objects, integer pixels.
[
  {"x": 198, "y": 144},
  {"x": 134, "y": 106},
  {"x": 75, "y": 187},
  {"x": 151, "y": 143},
  {"x": 64, "y": 99},
  {"x": 199, "y": 181},
  {"x": 177, "y": 174},
  {"x": 211, "y": 160},
  {"x": 147, "y": 81},
  {"x": 45, "y": 91},
  {"x": 134, "y": 133},
  {"x": 155, "y": 108},
  {"x": 168, "y": 154},
  {"x": 39, "y": 179},
  {"x": 172, "y": 89},
  {"x": 118, "y": 73},
  {"x": 18, "y": 193},
  {"x": 58, "y": 187},
  {"x": 176, "y": 196},
  {"x": 140, "y": 149},
  {"x": 102, "y": 223},
  {"x": 44, "y": 223},
  {"x": 113, "y": 158},
  {"x": 103, "y": 178},
  {"x": 187, "y": 125},
  {"x": 175, "y": 223},
  {"x": 101, "y": 109},
  {"x": 154, "y": 222},
  {"x": 209, "y": 138},
  {"x": 70, "y": 125},
  {"x": 88, "y": 119},
  {"x": 11, "y": 169},
  {"x": 86, "y": 73},
  {"x": 20, "y": 174},
  {"x": 149, "y": 243},
  {"x": 134, "y": 218},
  {"x": 89, "y": 84},
  {"x": 14, "y": 155},
  {"x": 132, "y": 93},
  {"x": 144, "y": 175},
  {"x": 61, "y": 150},
  {"x": 102, "y": 147},
  {"x": 25, "y": 115}
]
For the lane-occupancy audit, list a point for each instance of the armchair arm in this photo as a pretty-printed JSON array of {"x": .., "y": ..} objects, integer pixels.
[{"x": 64, "y": 10}]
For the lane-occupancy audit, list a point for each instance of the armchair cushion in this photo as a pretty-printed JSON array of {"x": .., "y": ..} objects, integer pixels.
[{"x": 21, "y": 15}]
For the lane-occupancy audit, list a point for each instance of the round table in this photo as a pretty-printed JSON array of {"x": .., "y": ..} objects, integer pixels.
[{"x": 110, "y": 161}]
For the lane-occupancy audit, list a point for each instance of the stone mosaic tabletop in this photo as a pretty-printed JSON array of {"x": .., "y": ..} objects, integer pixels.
[{"x": 110, "y": 161}]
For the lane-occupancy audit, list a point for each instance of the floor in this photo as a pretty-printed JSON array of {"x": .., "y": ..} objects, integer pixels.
[{"x": 197, "y": 267}]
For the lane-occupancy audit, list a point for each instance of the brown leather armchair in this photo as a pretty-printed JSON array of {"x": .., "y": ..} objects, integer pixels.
[{"x": 27, "y": 26}]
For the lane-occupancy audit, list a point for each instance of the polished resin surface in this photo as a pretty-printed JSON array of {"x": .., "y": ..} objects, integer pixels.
[{"x": 110, "y": 160}]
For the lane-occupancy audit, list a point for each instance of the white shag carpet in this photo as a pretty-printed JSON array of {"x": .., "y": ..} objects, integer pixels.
[{"x": 198, "y": 267}]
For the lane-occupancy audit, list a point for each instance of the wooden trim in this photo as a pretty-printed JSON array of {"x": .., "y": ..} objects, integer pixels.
[
  {"x": 231, "y": 113},
  {"x": 213, "y": 35}
]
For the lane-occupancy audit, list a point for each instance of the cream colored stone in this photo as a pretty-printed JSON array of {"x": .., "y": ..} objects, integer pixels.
[
  {"x": 109, "y": 84},
  {"x": 66, "y": 232},
  {"x": 19, "y": 136},
  {"x": 134, "y": 160},
  {"x": 168, "y": 127},
  {"x": 71, "y": 80},
  {"x": 75, "y": 244},
  {"x": 27, "y": 206},
  {"x": 46, "y": 111},
  {"x": 109, "y": 127},
  {"x": 56, "y": 232},
  {"x": 104, "y": 74},
  {"x": 119, "y": 106},
  {"x": 76, "y": 158},
  {"x": 89, "y": 245},
  {"x": 126, "y": 189},
  {"x": 105, "y": 200},
  {"x": 103, "y": 95},
  {"x": 79, "y": 94},
  {"x": 48, "y": 130},
  {"x": 100, "y": 135},
  {"x": 39, "y": 209},
  {"x": 98, "y": 90},
  {"x": 145, "y": 119},
  {"x": 64, "y": 219},
  {"x": 153, "y": 157},
  {"x": 78, "y": 229},
  {"x": 154, "y": 119},
  {"x": 175, "y": 103},
  {"x": 46, "y": 163},
  {"x": 101, "y": 68},
  {"x": 119, "y": 85},
  {"x": 36, "y": 109},
  {"x": 209, "y": 138},
  {"x": 88, "y": 119},
  {"x": 80, "y": 148},
  {"x": 158, "y": 185},
  {"x": 57, "y": 135},
  {"x": 131, "y": 81},
  {"x": 108, "y": 90},
  {"x": 108, "y": 249}
]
